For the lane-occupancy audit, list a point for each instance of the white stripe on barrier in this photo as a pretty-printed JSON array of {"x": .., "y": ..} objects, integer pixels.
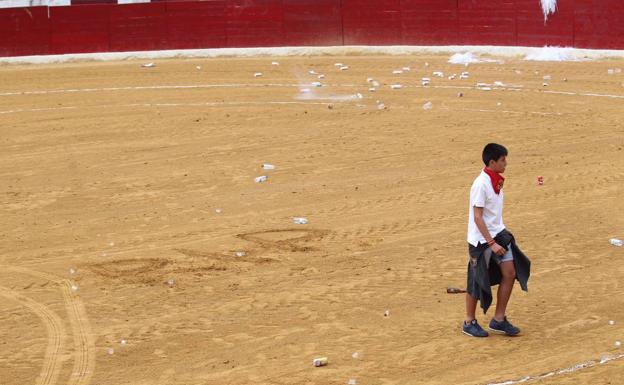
[{"x": 33, "y": 3}]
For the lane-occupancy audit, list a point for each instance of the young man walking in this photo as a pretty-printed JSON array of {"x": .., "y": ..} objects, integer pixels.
[{"x": 494, "y": 256}]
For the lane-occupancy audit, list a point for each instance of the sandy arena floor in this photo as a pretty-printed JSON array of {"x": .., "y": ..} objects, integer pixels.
[{"x": 117, "y": 172}]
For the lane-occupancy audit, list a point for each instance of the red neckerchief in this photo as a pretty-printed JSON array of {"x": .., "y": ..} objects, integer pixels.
[{"x": 496, "y": 178}]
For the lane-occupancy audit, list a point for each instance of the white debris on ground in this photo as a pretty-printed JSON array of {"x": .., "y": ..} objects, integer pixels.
[
  {"x": 268, "y": 166},
  {"x": 549, "y": 7},
  {"x": 257, "y": 74},
  {"x": 261, "y": 178},
  {"x": 300, "y": 220},
  {"x": 148, "y": 65},
  {"x": 427, "y": 106}
]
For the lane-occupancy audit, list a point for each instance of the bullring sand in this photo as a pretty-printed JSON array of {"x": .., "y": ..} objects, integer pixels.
[{"x": 117, "y": 171}]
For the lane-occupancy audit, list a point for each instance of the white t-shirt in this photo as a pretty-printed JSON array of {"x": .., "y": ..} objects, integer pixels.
[{"x": 482, "y": 195}]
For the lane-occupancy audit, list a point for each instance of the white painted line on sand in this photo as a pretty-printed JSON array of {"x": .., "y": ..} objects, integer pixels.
[{"x": 583, "y": 365}]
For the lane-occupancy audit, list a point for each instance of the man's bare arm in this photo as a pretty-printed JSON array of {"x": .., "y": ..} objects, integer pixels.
[{"x": 478, "y": 218}]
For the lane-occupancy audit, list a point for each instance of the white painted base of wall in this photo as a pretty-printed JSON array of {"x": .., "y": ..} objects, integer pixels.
[{"x": 528, "y": 53}]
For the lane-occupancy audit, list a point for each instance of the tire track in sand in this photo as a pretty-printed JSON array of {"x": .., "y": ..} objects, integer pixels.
[
  {"x": 84, "y": 343},
  {"x": 56, "y": 334}
]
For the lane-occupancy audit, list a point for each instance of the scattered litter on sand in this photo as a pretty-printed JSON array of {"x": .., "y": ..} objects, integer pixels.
[
  {"x": 268, "y": 166},
  {"x": 148, "y": 65},
  {"x": 300, "y": 220},
  {"x": 260, "y": 179},
  {"x": 257, "y": 74},
  {"x": 321, "y": 361},
  {"x": 616, "y": 242},
  {"x": 427, "y": 106}
]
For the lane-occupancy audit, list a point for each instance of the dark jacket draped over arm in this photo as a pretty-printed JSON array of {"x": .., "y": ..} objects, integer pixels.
[{"x": 482, "y": 274}]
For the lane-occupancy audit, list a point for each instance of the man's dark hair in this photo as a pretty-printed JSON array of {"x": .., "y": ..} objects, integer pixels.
[{"x": 493, "y": 151}]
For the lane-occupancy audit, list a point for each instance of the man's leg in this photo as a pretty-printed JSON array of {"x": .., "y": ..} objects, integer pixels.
[
  {"x": 471, "y": 307},
  {"x": 508, "y": 272}
]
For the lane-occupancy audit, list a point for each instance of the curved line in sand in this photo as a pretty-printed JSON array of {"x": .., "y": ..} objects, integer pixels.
[
  {"x": 571, "y": 369},
  {"x": 84, "y": 343},
  {"x": 287, "y": 85},
  {"x": 56, "y": 334}
]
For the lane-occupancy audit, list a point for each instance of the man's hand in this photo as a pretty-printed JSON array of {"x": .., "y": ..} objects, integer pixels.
[{"x": 498, "y": 249}]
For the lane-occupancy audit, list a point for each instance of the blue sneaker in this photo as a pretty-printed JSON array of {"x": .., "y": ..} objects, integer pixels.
[
  {"x": 503, "y": 327},
  {"x": 473, "y": 329}
]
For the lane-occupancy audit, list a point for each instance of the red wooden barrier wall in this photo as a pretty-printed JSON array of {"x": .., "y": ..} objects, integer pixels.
[{"x": 104, "y": 26}]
